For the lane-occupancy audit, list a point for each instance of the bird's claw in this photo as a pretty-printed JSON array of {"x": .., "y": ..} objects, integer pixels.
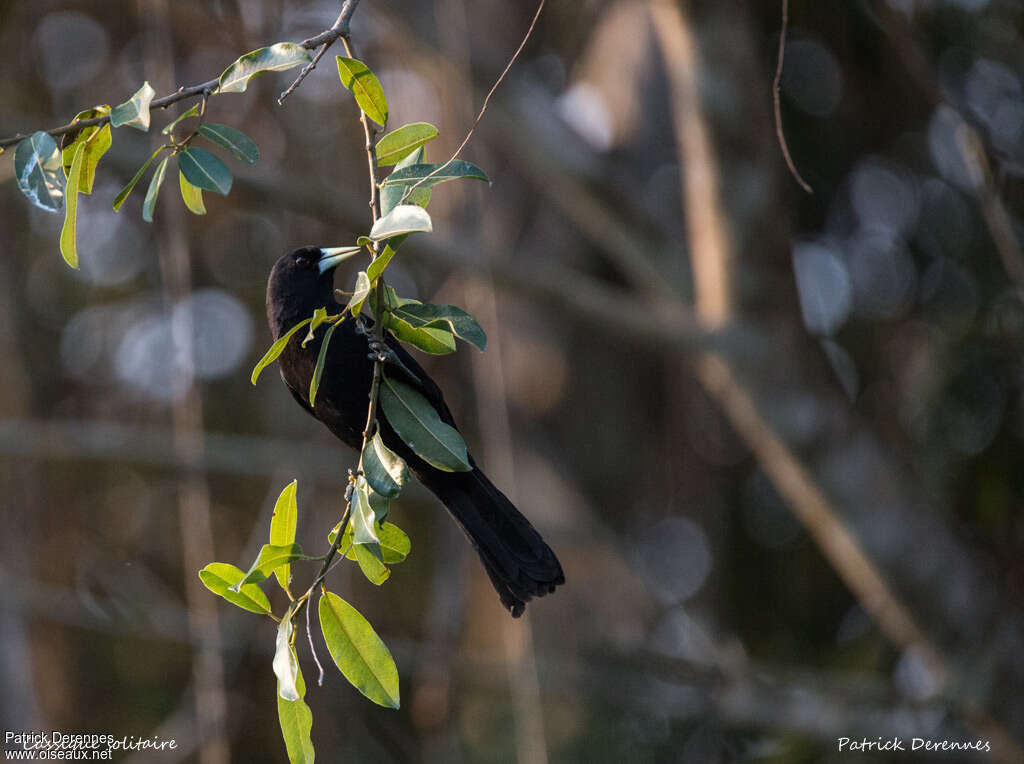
[{"x": 381, "y": 352}]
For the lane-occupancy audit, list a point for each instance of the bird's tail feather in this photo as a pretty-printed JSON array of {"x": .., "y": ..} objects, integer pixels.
[{"x": 520, "y": 565}]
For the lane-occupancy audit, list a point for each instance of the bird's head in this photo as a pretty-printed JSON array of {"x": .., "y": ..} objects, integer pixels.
[{"x": 300, "y": 282}]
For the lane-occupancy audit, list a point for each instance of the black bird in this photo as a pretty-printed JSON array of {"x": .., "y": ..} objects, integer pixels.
[{"x": 520, "y": 565}]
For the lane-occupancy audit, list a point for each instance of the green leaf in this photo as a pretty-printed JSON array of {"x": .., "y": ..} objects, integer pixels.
[
  {"x": 276, "y": 349},
  {"x": 97, "y": 141},
  {"x": 203, "y": 169},
  {"x": 403, "y": 219},
  {"x": 362, "y": 291},
  {"x": 321, "y": 358},
  {"x": 135, "y": 111},
  {"x": 219, "y": 577},
  {"x": 422, "y": 174},
  {"x": 286, "y": 665},
  {"x": 364, "y": 86},
  {"x": 319, "y": 316},
  {"x": 154, "y": 188},
  {"x": 394, "y": 544},
  {"x": 425, "y": 315},
  {"x": 385, "y": 470},
  {"x": 271, "y": 557},
  {"x": 433, "y": 340},
  {"x": 400, "y": 143},
  {"x": 418, "y": 424},
  {"x": 276, "y": 58},
  {"x": 283, "y": 523},
  {"x": 235, "y": 141},
  {"x": 296, "y": 723},
  {"x": 123, "y": 193},
  {"x": 69, "y": 233},
  {"x": 37, "y": 166},
  {"x": 361, "y": 655},
  {"x": 191, "y": 195},
  {"x": 376, "y": 572},
  {"x": 363, "y": 517},
  {"x": 380, "y": 262},
  {"x": 390, "y": 195},
  {"x": 192, "y": 112}
]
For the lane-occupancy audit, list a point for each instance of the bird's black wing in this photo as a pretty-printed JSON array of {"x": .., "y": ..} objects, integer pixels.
[
  {"x": 298, "y": 396},
  {"x": 423, "y": 383}
]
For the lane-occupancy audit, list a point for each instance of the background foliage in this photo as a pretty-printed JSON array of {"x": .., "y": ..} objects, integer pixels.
[{"x": 701, "y": 621}]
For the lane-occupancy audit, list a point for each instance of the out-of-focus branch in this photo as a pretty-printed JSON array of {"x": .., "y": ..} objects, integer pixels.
[
  {"x": 710, "y": 254},
  {"x": 969, "y": 144},
  {"x": 231, "y": 454}
]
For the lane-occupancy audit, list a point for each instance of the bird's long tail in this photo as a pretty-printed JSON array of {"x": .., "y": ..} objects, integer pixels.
[{"x": 520, "y": 565}]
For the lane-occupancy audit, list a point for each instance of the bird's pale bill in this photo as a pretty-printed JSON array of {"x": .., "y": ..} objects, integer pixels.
[{"x": 331, "y": 256}]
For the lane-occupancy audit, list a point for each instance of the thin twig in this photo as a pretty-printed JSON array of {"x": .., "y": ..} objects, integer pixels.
[
  {"x": 312, "y": 649},
  {"x": 371, "y": 413},
  {"x": 340, "y": 28},
  {"x": 483, "y": 108},
  {"x": 326, "y": 37},
  {"x": 778, "y": 107},
  {"x": 371, "y": 151}
]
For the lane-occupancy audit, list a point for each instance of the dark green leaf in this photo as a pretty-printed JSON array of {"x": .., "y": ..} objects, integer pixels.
[
  {"x": 390, "y": 195},
  {"x": 362, "y": 291},
  {"x": 384, "y": 469},
  {"x": 154, "y": 188},
  {"x": 296, "y": 723},
  {"x": 123, "y": 193},
  {"x": 37, "y": 166},
  {"x": 433, "y": 340},
  {"x": 418, "y": 424},
  {"x": 286, "y": 665},
  {"x": 235, "y": 141},
  {"x": 271, "y": 557},
  {"x": 276, "y": 58},
  {"x": 425, "y": 315},
  {"x": 191, "y": 195},
  {"x": 403, "y": 219},
  {"x": 219, "y": 577},
  {"x": 69, "y": 233},
  {"x": 429, "y": 175},
  {"x": 276, "y": 349},
  {"x": 321, "y": 358},
  {"x": 364, "y": 86},
  {"x": 400, "y": 143},
  {"x": 361, "y": 655},
  {"x": 283, "y": 523},
  {"x": 135, "y": 111},
  {"x": 203, "y": 169},
  {"x": 192, "y": 112}
]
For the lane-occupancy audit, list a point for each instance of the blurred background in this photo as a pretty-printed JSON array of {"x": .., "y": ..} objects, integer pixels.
[{"x": 775, "y": 437}]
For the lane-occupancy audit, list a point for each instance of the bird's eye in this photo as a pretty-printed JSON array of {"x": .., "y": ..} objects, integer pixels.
[{"x": 302, "y": 260}]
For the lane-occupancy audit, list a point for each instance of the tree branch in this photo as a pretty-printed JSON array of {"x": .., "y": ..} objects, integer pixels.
[
  {"x": 778, "y": 106},
  {"x": 326, "y": 39},
  {"x": 340, "y": 28},
  {"x": 487, "y": 100}
]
